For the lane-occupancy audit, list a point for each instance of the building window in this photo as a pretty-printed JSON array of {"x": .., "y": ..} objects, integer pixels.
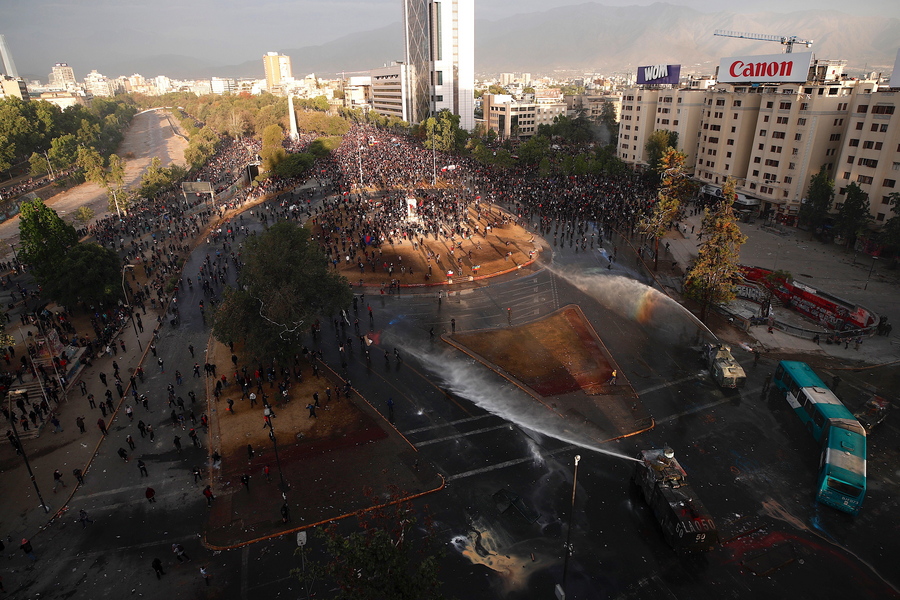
[
  {"x": 801, "y": 122},
  {"x": 440, "y": 77},
  {"x": 756, "y": 173},
  {"x": 862, "y": 109},
  {"x": 879, "y": 217},
  {"x": 788, "y": 179},
  {"x": 864, "y": 179},
  {"x": 798, "y": 137},
  {"x": 762, "y": 133},
  {"x": 846, "y": 176},
  {"x": 770, "y": 104},
  {"x": 785, "y": 106},
  {"x": 889, "y": 183},
  {"x": 778, "y": 135},
  {"x": 838, "y": 122},
  {"x": 771, "y": 162},
  {"x": 792, "y": 166},
  {"x": 883, "y": 109},
  {"x": 782, "y": 120},
  {"x": 775, "y": 149},
  {"x": 729, "y": 142},
  {"x": 868, "y": 162},
  {"x": 736, "y": 103},
  {"x": 850, "y": 160},
  {"x": 762, "y": 146},
  {"x": 854, "y": 143},
  {"x": 757, "y": 159},
  {"x": 804, "y": 106},
  {"x": 884, "y": 128},
  {"x": 720, "y": 102},
  {"x": 766, "y": 119},
  {"x": 859, "y": 126},
  {"x": 835, "y": 137}
]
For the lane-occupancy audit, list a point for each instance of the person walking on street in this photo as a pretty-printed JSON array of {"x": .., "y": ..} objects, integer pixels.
[
  {"x": 130, "y": 441},
  {"x": 80, "y": 422},
  {"x": 267, "y": 472},
  {"x": 180, "y": 554},
  {"x": 83, "y": 517},
  {"x": 83, "y": 386},
  {"x": 159, "y": 361},
  {"x": 612, "y": 378},
  {"x": 101, "y": 425},
  {"x": 78, "y": 475},
  {"x": 57, "y": 480},
  {"x": 207, "y": 491},
  {"x": 158, "y": 568},
  {"x": 249, "y": 452},
  {"x": 177, "y": 442},
  {"x": 142, "y": 427},
  {"x": 150, "y": 493},
  {"x": 142, "y": 467},
  {"x": 27, "y": 549},
  {"x": 191, "y": 350},
  {"x": 123, "y": 454},
  {"x": 204, "y": 574},
  {"x": 57, "y": 426},
  {"x": 103, "y": 379}
]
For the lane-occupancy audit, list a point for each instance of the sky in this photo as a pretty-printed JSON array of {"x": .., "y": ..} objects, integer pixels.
[{"x": 87, "y": 33}]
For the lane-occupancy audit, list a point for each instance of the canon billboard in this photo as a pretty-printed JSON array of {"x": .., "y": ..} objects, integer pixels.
[
  {"x": 658, "y": 74},
  {"x": 765, "y": 68}
]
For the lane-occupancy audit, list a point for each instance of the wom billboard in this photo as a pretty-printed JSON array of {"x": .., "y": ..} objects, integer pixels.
[
  {"x": 765, "y": 68},
  {"x": 658, "y": 74}
]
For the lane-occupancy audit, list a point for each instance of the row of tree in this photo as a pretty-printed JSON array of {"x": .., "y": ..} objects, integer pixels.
[{"x": 50, "y": 137}]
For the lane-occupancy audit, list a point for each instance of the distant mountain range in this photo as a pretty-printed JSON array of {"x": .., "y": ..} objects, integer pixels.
[{"x": 584, "y": 37}]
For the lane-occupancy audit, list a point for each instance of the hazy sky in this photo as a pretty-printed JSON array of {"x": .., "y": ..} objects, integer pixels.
[{"x": 220, "y": 32}]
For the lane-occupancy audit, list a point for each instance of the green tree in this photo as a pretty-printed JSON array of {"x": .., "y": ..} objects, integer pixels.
[
  {"x": 853, "y": 215},
  {"x": 386, "y": 558},
  {"x": 117, "y": 199},
  {"x": 272, "y": 151},
  {"x": 88, "y": 273},
  {"x": 716, "y": 272},
  {"x": 675, "y": 189},
  {"x": 443, "y": 132},
  {"x": 45, "y": 238},
  {"x": 63, "y": 152},
  {"x": 295, "y": 165},
  {"x": 39, "y": 165},
  {"x": 819, "y": 198},
  {"x": 657, "y": 143},
  {"x": 83, "y": 214},
  {"x": 284, "y": 285},
  {"x": 497, "y": 89},
  {"x": 527, "y": 90},
  {"x": 608, "y": 118}
]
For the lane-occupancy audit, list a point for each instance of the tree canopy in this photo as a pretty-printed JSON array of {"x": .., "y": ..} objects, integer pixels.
[
  {"x": 88, "y": 273},
  {"x": 657, "y": 143},
  {"x": 45, "y": 238},
  {"x": 854, "y": 214},
  {"x": 716, "y": 272},
  {"x": 284, "y": 285},
  {"x": 819, "y": 198},
  {"x": 676, "y": 188},
  {"x": 383, "y": 559}
]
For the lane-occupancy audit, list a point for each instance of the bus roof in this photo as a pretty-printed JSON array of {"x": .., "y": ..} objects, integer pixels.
[{"x": 802, "y": 374}]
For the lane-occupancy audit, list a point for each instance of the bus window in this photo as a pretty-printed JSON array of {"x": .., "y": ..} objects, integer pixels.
[
  {"x": 819, "y": 419},
  {"x": 844, "y": 489},
  {"x": 779, "y": 372},
  {"x": 795, "y": 389}
]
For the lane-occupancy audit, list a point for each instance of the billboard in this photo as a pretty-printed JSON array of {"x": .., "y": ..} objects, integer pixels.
[
  {"x": 765, "y": 68},
  {"x": 895, "y": 76},
  {"x": 658, "y": 74}
]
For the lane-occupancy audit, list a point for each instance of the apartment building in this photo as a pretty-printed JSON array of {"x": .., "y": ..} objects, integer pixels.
[
  {"x": 636, "y": 123},
  {"x": 511, "y": 118},
  {"x": 13, "y": 87},
  {"x": 870, "y": 155},
  {"x": 278, "y": 71}
]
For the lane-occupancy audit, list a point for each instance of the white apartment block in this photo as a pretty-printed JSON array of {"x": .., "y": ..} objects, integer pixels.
[
  {"x": 99, "y": 85},
  {"x": 222, "y": 85},
  {"x": 870, "y": 155},
  {"x": 770, "y": 138}
]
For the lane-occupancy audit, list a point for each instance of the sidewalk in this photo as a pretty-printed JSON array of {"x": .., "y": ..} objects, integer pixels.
[{"x": 827, "y": 267}]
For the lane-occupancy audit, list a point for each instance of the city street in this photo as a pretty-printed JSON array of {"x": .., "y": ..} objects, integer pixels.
[{"x": 748, "y": 457}]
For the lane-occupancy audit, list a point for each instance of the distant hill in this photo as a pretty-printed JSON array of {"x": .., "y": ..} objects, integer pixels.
[{"x": 584, "y": 37}]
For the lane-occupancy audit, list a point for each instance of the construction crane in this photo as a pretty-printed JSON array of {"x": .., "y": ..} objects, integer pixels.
[{"x": 787, "y": 41}]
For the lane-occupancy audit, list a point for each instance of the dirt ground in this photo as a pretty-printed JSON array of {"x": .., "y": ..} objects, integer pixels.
[
  {"x": 553, "y": 356},
  {"x": 411, "y": 265},
  {"x": 149, "y": 135},
  {"x": 337, "y": 422}
]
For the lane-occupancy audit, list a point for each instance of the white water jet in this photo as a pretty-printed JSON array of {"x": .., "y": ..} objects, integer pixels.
[
  {"x": 660, "y": 316},
  {"x": 471, "y": 380}
]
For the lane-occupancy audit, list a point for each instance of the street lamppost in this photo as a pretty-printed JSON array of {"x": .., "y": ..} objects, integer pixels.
[
  {"x": 869, "y": 276},
  {"x": 15, "y": 256},
  {"x": 15, "y": 432},
  {"x": 267, "y": 411},
  {"x": 128, "y": 304},
  {"x": 562, "y": 595}
]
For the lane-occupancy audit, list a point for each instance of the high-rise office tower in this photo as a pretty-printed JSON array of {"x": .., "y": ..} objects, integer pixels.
[
  {"x": 439, "y": 38},
  {"x": 9, "y": 66},
  {"x": 278, "y": 70}
]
